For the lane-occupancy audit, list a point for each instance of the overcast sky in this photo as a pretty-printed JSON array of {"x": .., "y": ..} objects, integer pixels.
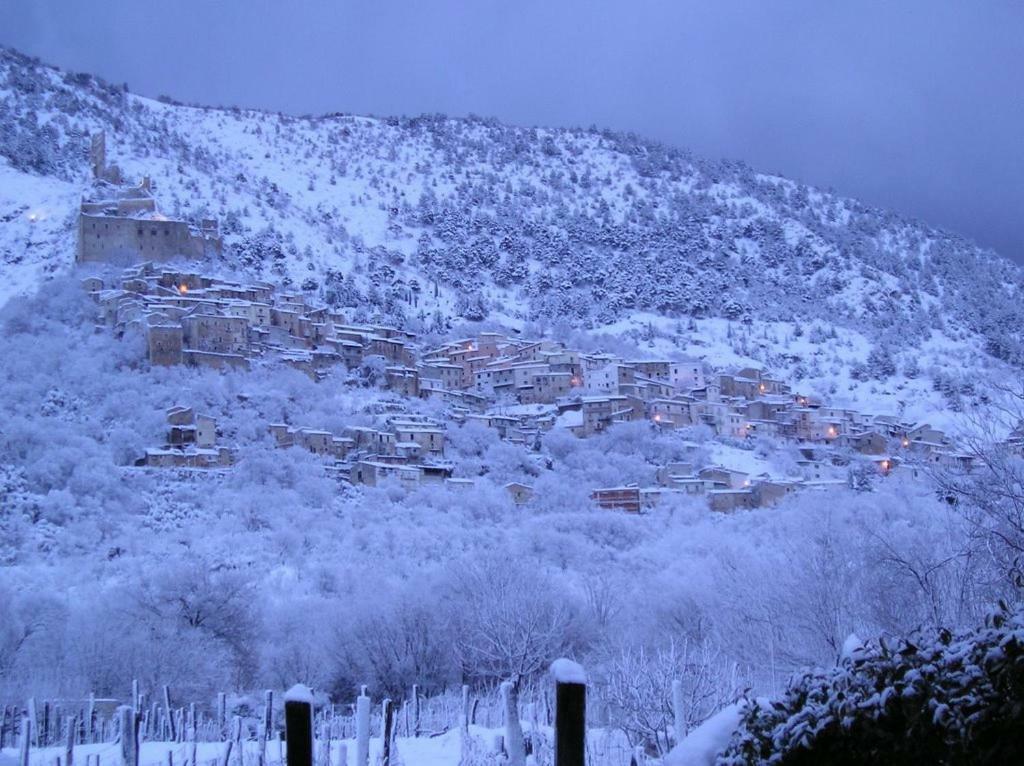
[{"x": 916, "y": 105}]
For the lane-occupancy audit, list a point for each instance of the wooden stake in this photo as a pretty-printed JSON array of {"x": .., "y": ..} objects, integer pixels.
[
  {"x": 363, "y": 729},
  {"x": 169, "y": 715},
  {"x": 69, "y": 746},
  {"x": 570, "y": 723},
  {"x": 387, "y": 714},
  {"x": 127, "y": 721},
  {"x": 298, "y": 724},
  {"x": 26, "y": 740}
]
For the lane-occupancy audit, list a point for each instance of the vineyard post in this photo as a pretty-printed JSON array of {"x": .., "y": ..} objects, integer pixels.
[
  {"x": 127, "y": 721},
  {"x": 268, "y": 721},
  {"x": 33, "y": 721},
  {"x": 69, "y": 745},
  {"x": 416, "y": 710},
  {"x": 363, "y": 729},
  {"x": 90, "y": 715},
  {"x": 222, "y": 712},
  {"x": 570, "y": 713},
  {"x": 387, "y": 714},
  {"x": 26, "y": 739},
  {"x": 172, "y": 730},
  {"x": 298, "y": 724}
]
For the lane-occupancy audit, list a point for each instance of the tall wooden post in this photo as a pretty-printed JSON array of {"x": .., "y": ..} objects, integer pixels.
[
  {"x": 363, "y": 729},
  {"x": 33, "y": 721},
  {"x": 416, "y": 728},
  {"x": 25, "y": 745},
  {"x": 126, "y": 721},
  {"x": 268, "y": 723},
  {"x": 298, "y": 724},
  {"x": 90, "y": 717},
  {"x": 570, "y": 713},
  {"x": 222, "y": 713},
  {"x": 172, "y": 731},
  {"x": 387, "y": 714},
  {"x": 69, "y": 745}
]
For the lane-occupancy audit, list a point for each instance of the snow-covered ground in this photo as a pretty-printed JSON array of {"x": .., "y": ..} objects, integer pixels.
[{"x": 605, "y": 748}]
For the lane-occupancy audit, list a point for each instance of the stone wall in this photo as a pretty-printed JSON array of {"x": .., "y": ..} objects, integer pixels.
[{"x": 128, "y": 240}]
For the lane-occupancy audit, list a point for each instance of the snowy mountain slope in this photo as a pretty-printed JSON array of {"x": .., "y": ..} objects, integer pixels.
[{"x": 418, "y": 220}]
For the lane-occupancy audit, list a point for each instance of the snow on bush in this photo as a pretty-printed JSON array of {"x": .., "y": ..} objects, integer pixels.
[{"x": 932, "y": 698}]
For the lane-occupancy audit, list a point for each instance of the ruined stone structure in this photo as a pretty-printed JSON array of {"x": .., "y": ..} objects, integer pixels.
[{"x": 121, "y": 224}]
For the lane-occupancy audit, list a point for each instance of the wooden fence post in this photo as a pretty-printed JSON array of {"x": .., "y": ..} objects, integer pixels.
[
  {"x": 69, "y": 745},
  {"x": 387, "y": 715},
  {"x": 416, "y": 728},
  {"x": 33, "y": 721},
  {"x": 236, "y": 736},
  {"x": 268, "y": 714},
  {"x": 25, "y": 745},
  {"x": 172, "y": 730},
  {"x": 90, "y": 717},
  {"x": 570, "y": 712},
  {"x": 222, "y": 713},
  {"x": 126, "y": 721},
  {"x": 363, "y": 729},
  {"x": 298, "y": 724},
  {"x": 268, "y": 723}
]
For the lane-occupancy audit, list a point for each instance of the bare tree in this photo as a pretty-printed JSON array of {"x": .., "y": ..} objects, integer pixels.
[
  {"x": 637, "y": 687},
  {"x": 990, "y": 494},
  {"x": 510, "y": 623}
]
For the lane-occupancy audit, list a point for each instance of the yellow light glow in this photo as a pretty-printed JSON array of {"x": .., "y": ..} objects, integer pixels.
[{"x": 182, "y": 288}]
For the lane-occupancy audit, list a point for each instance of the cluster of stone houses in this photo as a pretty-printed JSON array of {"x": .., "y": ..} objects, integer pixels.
[
  {"x": 588, "y": 392},
  {"x": 520, "y": 388},
  {"x": 191, "y": 443},
  {"x": 193, "y": 319},
  {"x": 405, "y": 447}
]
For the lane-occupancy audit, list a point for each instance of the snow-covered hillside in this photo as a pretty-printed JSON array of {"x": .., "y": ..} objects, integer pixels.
[
  {"x": 484, "y": 221},
  {"x": 275, "y": 565}
]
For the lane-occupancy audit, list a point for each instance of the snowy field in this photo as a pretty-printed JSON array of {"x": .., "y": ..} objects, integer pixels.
[{"x": 604, "y": 749}]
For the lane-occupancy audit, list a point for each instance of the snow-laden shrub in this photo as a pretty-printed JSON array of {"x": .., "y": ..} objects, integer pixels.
[{"x": 933, "y": 698}]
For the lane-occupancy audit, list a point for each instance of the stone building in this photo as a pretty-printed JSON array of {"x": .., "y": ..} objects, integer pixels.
[{"x": 121, "y": 223}]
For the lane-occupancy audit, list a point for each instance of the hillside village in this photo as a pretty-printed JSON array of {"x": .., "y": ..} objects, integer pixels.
[{"x": 518, "y": 387}]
